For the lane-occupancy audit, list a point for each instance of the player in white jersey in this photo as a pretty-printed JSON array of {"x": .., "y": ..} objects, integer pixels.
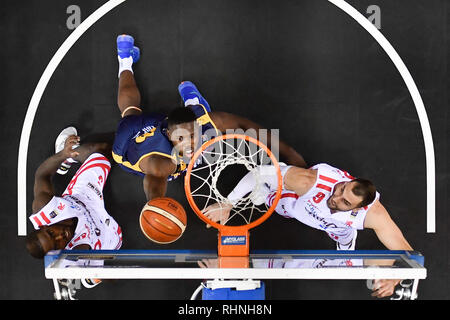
[
  {"x": 327, "y": 199},
  {"x": 77, "y": 219},
  {"x": 317, "y": 209}
]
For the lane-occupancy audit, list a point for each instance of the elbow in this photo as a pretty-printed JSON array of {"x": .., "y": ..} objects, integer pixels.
[
  {"x": 41, "y": 174},
  {"x": 156, "y": 172}
]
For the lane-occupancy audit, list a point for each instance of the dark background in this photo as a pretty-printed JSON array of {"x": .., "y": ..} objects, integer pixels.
[{"x": 304, "y": 67}]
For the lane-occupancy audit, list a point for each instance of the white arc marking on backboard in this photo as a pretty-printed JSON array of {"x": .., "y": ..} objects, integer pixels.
[
  {"x": 32, "y": 108},
  {"x": 86, "y": 24},
  {"x": 417, "y": 99}
]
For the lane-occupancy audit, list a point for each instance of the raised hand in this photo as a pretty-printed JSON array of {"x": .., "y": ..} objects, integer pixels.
[
  {"x": 218, "y": 212},
  {"x": 68, "y": 150}
]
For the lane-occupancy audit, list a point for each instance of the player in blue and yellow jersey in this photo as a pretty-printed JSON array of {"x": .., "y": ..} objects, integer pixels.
[{"x": 157, "y": 146}]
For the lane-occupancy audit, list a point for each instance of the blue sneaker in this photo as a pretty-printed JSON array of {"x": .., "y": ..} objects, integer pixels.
[
  {"x": 188, "y": 91},
  {"x": 126, "y": 48},
  {"x": 136, "y": 54}
]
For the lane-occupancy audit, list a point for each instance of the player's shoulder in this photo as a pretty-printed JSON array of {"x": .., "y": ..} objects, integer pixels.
[
  {"x": 44, "y": 206},
  {"x": 376, "y": 215},
  {"x": 324, "y": 166},
  {"x": 334, "y": 173},
  {"x": 152, "y": 117},
  {"x": 153, "y": 141},
  {"x": 300, "y": 180}
]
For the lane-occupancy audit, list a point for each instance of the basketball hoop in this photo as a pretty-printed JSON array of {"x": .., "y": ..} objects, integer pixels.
[{"x": 204, "y": 188}]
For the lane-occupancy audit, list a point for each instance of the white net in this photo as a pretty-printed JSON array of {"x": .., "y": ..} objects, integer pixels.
[{"x": 225, "y": 164}]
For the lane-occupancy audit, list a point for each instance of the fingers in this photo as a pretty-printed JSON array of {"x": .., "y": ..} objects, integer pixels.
[
  {"x": 212, "y": 208},
  {"x": 215, "y": 217},
  {"x": 70, "y": 143},
  {"x": 383, "y": 288},
  {"x": 382, "y": 293},
  {"x": 223, "y": 218},
  {"x": 213, "y": 214},
  {"x": 217, "y": 213},
  {"x": 207, "y": 213},
  {"x": 72, "y": 140},
  {"x": 208, "y": 263}
]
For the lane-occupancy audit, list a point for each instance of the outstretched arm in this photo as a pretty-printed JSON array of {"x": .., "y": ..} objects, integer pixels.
[
  {"x": 262, "y": 178},
  {"x": 157, "y": 169},
  {"x": 299, "y": 180},
  {"x": 43, "y": 188},
  {"x": 378, "y": 219},
  {"x": 220, "y": 212},
  {"x": 225, "y": 120}
]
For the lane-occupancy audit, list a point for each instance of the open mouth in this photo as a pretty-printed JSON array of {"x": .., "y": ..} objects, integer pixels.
[{"x": 188, "y": 153}]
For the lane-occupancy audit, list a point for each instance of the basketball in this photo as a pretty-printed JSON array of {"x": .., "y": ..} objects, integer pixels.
[{"x": 163, "y": 220}]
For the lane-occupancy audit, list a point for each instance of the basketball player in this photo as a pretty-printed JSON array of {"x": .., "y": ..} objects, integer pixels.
[
  {"x": 159, "y": 147},
  {"x": 77, "y": 220},
  {"x": 325, "y": 198}
]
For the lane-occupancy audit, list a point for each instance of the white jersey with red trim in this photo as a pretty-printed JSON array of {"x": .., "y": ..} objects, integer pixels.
[
  {"x": 279, "y": 263},
  {"x": 95, "y": 227},
  {"x": 83, "y": 200},
  {"x": 312, "y": 209}
]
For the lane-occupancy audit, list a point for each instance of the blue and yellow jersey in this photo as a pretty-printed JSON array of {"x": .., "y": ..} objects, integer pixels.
[{"x": 140, "y": 136}]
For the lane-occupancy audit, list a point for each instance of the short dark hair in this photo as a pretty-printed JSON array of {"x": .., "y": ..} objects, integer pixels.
[
  {"x": 180, "y": 115},
  {"x": 366, "y": 189},
  {"x": 34, "y": 246}
]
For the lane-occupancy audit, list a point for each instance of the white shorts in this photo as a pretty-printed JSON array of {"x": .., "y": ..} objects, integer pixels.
[{"x": 87, "y": 183}]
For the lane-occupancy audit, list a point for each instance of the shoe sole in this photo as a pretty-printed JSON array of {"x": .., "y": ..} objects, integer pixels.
[
  {"x": 124, "y": 42},
  {"x": 185, "y": 84},
  {"x": 63, "y": 135}
]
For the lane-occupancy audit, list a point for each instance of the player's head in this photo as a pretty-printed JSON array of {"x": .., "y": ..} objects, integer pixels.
[
  {"x": 54, "y": 237},
  {"x": 183, "y": 131},
  {"x": 351, "y": 195}
]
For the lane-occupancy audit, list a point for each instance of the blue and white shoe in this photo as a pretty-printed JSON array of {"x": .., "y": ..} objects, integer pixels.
[
  {"x": 90, "y": 283},
  {"x": 126, "y": 48},
  {"x": 191, "y": 96}
]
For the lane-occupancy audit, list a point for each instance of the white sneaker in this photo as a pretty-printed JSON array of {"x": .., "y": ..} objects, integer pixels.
[
  {"x": 90, "y": 283},
  {"x": 62, "y": 137},
  {"x": 348, "y": 246},
  {"x": 59, "y": 145}
]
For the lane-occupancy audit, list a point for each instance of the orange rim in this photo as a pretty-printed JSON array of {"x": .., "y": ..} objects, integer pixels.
[{"x": 187, "y": 184}]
